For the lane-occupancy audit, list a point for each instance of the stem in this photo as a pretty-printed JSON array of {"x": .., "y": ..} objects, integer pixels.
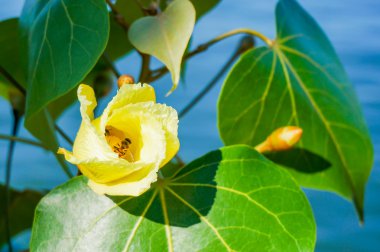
[
  {"x": 240, "y": 31},
  {"x": 22, "y": 140},
  {"x": 111, "y": 64},
  {"x": 244, "y": 44},
  {"x": 209, "y": 86},
  {"x": 23, "y": 91},
  {"x": 16, "y": 123},
  {"x": 158, "y": 73},
  {"x": 145, "y": 71},
  {"x": 117, "y": 16},
  {"x": 63, "y": 134}
]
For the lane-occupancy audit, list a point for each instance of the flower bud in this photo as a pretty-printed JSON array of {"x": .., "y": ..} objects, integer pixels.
[
  {"x": 281, "y": 139},
  {"x": 125, "y": 79}
]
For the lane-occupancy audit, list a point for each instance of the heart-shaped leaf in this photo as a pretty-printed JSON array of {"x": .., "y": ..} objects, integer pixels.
[
  {"x": 166, "y": 35},
  {"x": 300, "y": 81},
  {"x": 232, "y": 199}
]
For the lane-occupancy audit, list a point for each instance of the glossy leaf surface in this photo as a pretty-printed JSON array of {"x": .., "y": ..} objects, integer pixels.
[
  {"x": 232, "y": 199},
  {"x": 166, "y": 35},
  {"x": 300, "y": 81}
]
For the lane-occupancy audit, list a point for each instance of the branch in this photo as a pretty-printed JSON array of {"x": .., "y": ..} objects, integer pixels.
[
  {"x": 158, "y": 73},
  {"x": 63, "y": 134},
  {"x": 117, "y": 16},
  {"x": 145, "y": 71},
  {"x": 22, "y": 140},
  {"x": 23, "y": 91},
  {"x": 245, "y": 43}
]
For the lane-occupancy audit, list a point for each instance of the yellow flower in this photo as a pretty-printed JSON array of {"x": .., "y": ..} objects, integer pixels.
[{"x": 122, "y": 150}]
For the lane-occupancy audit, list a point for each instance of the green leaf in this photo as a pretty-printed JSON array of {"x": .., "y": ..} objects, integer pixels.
[
  {"x": 202, "y": 7},
  {"x": 9, "y": 56},
  {"x": 130, "y": 10},
  {"x": 300, "y": 81},
  {"x": 58, "y": 61},
  {"x": 21, "y": 211},
  {"x": 166, "y": 35},
  {"x": 232, "y": 199}
]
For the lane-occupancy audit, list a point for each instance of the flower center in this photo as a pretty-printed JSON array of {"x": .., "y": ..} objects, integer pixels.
[{"x": 119, "y": 143}]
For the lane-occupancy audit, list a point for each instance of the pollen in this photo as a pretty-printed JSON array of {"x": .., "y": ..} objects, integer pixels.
[{"x": 119, "y": 143}]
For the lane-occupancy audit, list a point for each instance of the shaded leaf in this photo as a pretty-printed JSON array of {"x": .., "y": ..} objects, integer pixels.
[
  {"x": 9, "y": 56},
  {"x": 299, "y": 159},
  {"x": 166, "y": 35},
  {"x": 300, "y": 81},
  {"x": 232, "y": 199},
  {"x": 21, "y": 211}
]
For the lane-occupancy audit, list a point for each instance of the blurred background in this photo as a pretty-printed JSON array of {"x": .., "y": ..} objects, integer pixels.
[{"x": 354, "y": 29}]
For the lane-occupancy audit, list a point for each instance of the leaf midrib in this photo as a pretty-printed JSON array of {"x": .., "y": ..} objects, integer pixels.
[{"x": 323, "y": 119}]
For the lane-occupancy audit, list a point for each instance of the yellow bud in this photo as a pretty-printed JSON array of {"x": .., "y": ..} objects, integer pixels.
[
  {"x": 125, "y": 79},
  {"x": 281, "y": 139}
]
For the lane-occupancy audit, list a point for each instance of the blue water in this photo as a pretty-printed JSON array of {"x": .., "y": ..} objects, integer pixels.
[{"x": 354, "y": 29}]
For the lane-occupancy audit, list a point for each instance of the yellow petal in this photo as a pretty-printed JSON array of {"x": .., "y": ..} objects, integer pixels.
[
  {"x": 103, "y": 171},
  {"x": 89, "y": 143},
  {"x": 128, "y": 94},
  {"x": 168, "y": 118},
  {"x": 151, "y": 137},
  {"x": 132, "y": 185},
  {"x": 87, "y": 101}
]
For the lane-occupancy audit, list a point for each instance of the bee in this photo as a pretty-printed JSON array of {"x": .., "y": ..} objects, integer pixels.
[
  {"x": 120, "y": 147},
  {"x": 107, "y": 132}
]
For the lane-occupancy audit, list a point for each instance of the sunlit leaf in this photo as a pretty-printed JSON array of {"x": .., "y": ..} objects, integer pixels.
[
  {"x": 232, "y": 199},
  {"x": 300, "y": 81},
  {"x": 21, "y": 211},
  {"x": 166, "y": 35}
]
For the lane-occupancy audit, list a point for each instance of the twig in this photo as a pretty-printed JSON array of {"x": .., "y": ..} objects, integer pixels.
[
  {"x": 158, "y": 73},
  {"x": 117, "y": 16},
  {"x": 23, "y": 91},
  {"x": 245, "y": 43},
  {"x": 59, "y": 130},
  {"x": 63, "y": 134},
  {"x": 145, "y": 70},
  {"x": 22, "y": 140},
  {"x": 16, "y": 122}
]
